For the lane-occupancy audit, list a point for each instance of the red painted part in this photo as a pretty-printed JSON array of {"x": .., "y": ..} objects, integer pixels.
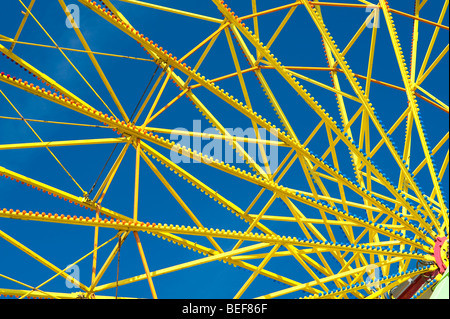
[
  {"x": 416, "y": 285},
  {"x": 437, "y": 253}
]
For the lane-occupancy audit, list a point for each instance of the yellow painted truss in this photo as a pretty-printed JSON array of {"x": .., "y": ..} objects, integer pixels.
[{"x": 344, "y": 226}]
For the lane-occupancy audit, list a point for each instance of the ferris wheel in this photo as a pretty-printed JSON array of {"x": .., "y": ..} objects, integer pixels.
[{"x": 318, "y": 132}]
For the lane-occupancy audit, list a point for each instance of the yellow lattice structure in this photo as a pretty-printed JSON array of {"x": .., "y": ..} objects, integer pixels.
[{"x": 345, "y": 226}]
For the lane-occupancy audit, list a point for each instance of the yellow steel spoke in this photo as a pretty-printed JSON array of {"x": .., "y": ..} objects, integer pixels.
[
  {"x": 40, "y": 259},
  {"x": 55, "y": 295},
  {"x": 158, "y": 96},
  {"x": 225, "y": 256},
  {"x": 433, "y": 40},
  {"x": 433, "y": 151},
  {"x": 320, "y": 84},
  {"x": 71, "y": 265},
  {"x": 246, "y": 97},
  {"x": 28, "y": 286},
  {"x": 240, "y": 139},
  {"x": 51, "y": 153},
  {"x": 179, "y": 96},
  {"x": 276, "y": 33},
  {"x": 419, "y": 19},
  {"x": 212, "y": 39},
  {"x": 68, "y": 60},
  {"x": 442, "y": 104},
  {"x": 51, "y": 122},
  {"x": 415, "y": 110},
  {"x": 398, "y": 88},
  {"x": 144, "y": 262},
  {"x": 205, "y": 111},
  {"x": 137, "y": 146},
  {"x": 107, "y": 181},
  {"x": 433, "y": 65},
  {"x": 22, "y": 24},
  {"x": 149, "y": 95},
  {"x": 209, "y": 38},
  {"x": 106, "y": 264},
  {"x": 103, "y": 189},
  {"x": 17, "y": 146},
  {"x": 415, "y": 40},
  {"x": 81, "y": 201},
  {"x": 216, "y": 164},
  {"x": 76, "y": 50},
  {"x": 422, "y": 3},
  {"x": 182, "y": 230},
  {"x": 305, "y": 95},
  {"x": 324, "y": 280},
  {"x": 372, "y": 52},
  {"x": 94, "y": 61},
  {"x": 344, "y": 226},
  {"x": 177, "y": 198},
  {"x": 255, "y": 22},
  {"x": 171, "y": 10}
]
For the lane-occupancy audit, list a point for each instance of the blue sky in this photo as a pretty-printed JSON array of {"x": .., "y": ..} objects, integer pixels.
[{"x": 298, "y": 44}]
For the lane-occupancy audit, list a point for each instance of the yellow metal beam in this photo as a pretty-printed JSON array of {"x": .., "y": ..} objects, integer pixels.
[
  {"x": 22, "y": 24},
  {"x": 433, "y": 65},
  {"x": 138, "y": 132},
  {"x": 74, "y": 263},
  {"x": 178, "y": 198},
  {"x": 37, "y": 135},
  {"x": 98, "y": 198},
  {"x": 247, "y": 99},
  {"x": 55, "y": 295},
  {"x": 442, "y": 104},
  {"x": 94, "y": 61},
  {"x": 415, "y": 109},
  {"x": 171, "y": 10},
  {"x": 68, "y": 60},
  {"x": 47, "y": 294},
  {"x": 319, "y": 110},
  {"x": 6, "y": 39},
  {"x": 144, "y": 262},
  {"x": 415, "y": 39},
  {"x": 433, "y": 38},
  {"x": 41, "y": 260},
  {"x": 52, "y": 122},
  {"x": 16, "y": 146},
  {"x": 106, "y": 264},
  {"x": 225, "y": 256},
  {"x": 81, "y": 201},
  {"x": 121, "y": 225},
  {"x": 239, "y": 139}
]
